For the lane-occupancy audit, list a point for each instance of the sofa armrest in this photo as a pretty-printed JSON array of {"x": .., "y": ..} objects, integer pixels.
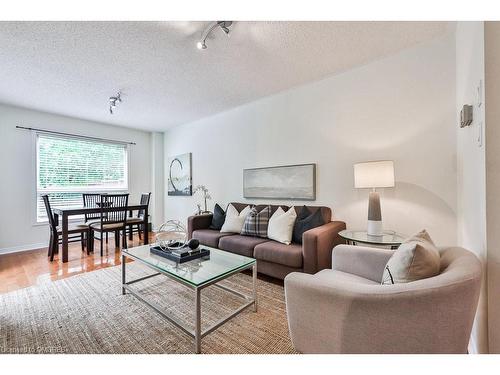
[
  {"x": 198, "y": 222},
  {"x": 367, "y": 262},
  {"x": 317, "y": 245}
]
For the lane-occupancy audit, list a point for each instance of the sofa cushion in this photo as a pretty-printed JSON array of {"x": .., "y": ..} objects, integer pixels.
[
  {"x": 238, "y": 244},
  {"x": 209, "y": 237},
  {"x": 276, "y": 252}
]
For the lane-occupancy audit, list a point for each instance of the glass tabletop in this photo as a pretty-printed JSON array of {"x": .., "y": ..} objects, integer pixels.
[
  {"x": 195, "y": 272},
  {"x": 387, "y": 238}
]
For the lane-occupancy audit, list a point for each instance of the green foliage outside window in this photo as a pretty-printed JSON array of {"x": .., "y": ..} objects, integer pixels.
[
  {"x": 67, "y": 167},
  {"x": 66, "y": 162}
]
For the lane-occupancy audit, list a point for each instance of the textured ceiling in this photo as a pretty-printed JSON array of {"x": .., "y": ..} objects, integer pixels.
[{"x": 71, "y": 68}]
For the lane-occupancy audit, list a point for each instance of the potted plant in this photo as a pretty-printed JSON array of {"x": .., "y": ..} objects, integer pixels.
[{"x": 206, "y": 196}]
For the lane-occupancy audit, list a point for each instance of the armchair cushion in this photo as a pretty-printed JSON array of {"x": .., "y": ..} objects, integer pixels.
[
  {"x": 334, "y": 277},
  {"x": 366, "y": 262}
]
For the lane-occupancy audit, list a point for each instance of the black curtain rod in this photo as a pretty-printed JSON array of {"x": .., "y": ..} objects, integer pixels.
[{"x": 74, "y": 135}]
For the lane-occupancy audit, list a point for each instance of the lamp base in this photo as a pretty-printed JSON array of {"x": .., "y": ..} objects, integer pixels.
[
  {"x": 374, "y": 228},
  {"x": 374, "y": 215}
]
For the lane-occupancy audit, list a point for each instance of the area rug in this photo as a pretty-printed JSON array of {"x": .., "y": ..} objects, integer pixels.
[{"x": 88, "y": 314}]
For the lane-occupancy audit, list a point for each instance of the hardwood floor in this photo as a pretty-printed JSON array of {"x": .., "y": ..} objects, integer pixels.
[{"x": 27, "y": 268}]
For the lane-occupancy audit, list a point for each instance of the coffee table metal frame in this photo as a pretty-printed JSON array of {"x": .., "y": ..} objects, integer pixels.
[{"x": 197, "y": 333}]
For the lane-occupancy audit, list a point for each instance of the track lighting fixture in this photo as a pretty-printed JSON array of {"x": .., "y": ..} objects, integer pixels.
[
  {"x": 113, "y": 100},
  {"x": 224, "y": 26}
]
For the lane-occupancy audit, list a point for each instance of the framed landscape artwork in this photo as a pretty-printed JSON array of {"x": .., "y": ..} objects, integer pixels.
[
  {"x": 179, "y": 175},
  {"x": 285, "y": 182}
]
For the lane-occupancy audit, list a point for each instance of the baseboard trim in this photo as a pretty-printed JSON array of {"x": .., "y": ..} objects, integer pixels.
[
  {"x": 18, "y": 249},
  {"x": 40, "y": 245}
]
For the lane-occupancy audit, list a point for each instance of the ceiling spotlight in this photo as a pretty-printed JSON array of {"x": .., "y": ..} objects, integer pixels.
[
  {"x": 224, "y": 26},
  {"x": 113, "y": 100}
]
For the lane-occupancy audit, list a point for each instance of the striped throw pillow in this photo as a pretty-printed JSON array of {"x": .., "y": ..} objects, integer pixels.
[{"x": 256, "y": 222}]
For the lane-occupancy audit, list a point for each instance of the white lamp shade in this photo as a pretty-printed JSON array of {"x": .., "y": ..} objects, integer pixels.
[{"x": 374, "y": 174}]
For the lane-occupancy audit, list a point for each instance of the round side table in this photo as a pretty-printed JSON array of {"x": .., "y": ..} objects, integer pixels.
[{"x": 388, "y": 238}]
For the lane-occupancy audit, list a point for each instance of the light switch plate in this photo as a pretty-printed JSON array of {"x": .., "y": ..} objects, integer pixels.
[{"x": 466, "y": 116}]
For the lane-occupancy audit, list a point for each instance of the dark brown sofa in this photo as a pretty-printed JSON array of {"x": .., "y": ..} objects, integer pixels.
[{"x": 274, "y": 258}]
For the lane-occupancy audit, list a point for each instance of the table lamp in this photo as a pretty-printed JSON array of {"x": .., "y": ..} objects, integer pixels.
[{"x": 372, "y": 175}]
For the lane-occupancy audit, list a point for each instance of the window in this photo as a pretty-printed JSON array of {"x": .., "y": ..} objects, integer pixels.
[{"x": 67, "y": 167}]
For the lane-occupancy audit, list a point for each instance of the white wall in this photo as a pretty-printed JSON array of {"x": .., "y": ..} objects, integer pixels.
[
  {"x": 157, "y": 179},
  {"x": 17, "y": 173},
  {"x": 492, "y": 89},
  {"x": 471, "y": 178},
  {"x": 400, "y": 108}
]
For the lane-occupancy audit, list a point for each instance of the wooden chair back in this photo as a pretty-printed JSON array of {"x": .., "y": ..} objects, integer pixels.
[
  {"x": 52, "y": 221},
  {"x": 145, "y": 197},
  {"x": 114, "y": 201},
  {"x": 91, "y": 200}
]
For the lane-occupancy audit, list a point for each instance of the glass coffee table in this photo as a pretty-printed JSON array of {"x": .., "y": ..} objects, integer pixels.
[
  {"x": 388, "y": 238},
  {"x": 196, "y": 275}
]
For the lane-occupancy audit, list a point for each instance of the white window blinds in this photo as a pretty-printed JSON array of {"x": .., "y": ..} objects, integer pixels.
[{"x": 67, "y": 167}]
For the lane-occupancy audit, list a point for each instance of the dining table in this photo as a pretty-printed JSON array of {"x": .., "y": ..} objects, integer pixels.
[{"x": 66, "y": 212}]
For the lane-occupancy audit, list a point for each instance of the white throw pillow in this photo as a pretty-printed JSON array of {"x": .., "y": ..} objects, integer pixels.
[
  {"x": 280, "y": 226},
  {"x": 416, "y": 258},
  {"x": 234, "y": 219}
]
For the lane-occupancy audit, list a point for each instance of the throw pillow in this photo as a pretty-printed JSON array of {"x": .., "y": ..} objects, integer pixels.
[
  {"x": 218, "y": 218},
  {"x": 416, "y": 258},
  {"x": 280, "y": 226},
  {"x": 256, "y": 222},
  {"x": 305, "y": 221},
  {"x": 234, "y": 219}
]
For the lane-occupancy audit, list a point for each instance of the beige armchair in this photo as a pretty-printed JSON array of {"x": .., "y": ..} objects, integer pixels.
[{"x": 346, "y": 310}]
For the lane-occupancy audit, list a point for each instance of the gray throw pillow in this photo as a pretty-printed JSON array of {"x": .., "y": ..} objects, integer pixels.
[{"x": 416, "y": 258}]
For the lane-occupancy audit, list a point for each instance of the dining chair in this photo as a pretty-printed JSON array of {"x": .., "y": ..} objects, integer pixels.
[
  {"x": 110, "y": 221},
  {"x": 91, "y": 200},
  {"x": 76, "y": 232},
  {"x": 139, "y": 219}
]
